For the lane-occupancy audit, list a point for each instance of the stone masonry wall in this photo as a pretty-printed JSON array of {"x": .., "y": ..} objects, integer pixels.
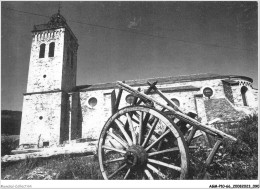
[
  {"x": 93, "y": 119},
  {"x": 200, "y": 108},
  {"x": 45, "y": 74},
  {"x": 221, "y": 108},
  {"x": 228, "y": 91},
  {"x": 69, "y": 63},
  {"x": 255, "y": 97},
  {"x": 251, "y": 96},
  {"x": 41, "y": 118},
  {"x": 65, "y": 117},
  {"x": 76, "y": 117}
]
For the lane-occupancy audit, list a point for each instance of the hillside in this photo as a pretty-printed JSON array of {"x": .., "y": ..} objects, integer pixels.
[{"x": 10, "y": 122}]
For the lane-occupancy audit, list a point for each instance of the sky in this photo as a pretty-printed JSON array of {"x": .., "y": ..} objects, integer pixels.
[{"x": 134, "y": 40}]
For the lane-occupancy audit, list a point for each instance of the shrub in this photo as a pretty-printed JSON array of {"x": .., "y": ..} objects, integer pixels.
[{"x": 234, "y": 160}]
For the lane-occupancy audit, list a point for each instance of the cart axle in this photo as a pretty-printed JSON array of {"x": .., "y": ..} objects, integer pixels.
[{"x": 135, "y": 156}]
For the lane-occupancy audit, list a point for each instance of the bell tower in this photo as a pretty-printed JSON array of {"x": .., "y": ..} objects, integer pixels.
[{"x": 52, "y": 74}]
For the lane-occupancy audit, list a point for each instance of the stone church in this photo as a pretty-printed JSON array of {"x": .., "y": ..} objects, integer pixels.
[{"x": 56, "y": 110}]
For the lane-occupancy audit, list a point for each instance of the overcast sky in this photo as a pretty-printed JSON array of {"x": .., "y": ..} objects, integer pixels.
[{"x": 134, "y": 40}]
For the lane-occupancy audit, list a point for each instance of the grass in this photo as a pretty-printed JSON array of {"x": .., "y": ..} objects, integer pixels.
[{"x": 58, "y": 168}]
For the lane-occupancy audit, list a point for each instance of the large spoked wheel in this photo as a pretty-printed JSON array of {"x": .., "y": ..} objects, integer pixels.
[{"x": 139, "y": 142}]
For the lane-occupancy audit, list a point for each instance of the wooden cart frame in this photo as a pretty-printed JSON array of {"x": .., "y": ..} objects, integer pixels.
[{"x": 150, "y": 139}]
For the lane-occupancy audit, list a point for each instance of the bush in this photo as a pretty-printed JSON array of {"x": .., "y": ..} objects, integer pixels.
[{"x": 234, "y": 160}]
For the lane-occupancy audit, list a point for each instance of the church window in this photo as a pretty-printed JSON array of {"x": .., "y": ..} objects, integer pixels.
[
  {"x": 243, "y": 93},
  {"x": 42, "y": 50},
  {"x": 51, "y": 49},
  {"x": 92, "y": 102},
  {"x": 176, "y": 101},
  {"x": 129, "y": 99}
]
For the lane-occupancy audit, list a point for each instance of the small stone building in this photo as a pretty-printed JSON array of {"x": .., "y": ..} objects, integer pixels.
[{"x": 56, "y": 110}]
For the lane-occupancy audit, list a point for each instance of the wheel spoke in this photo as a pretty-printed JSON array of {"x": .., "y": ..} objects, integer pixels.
[
  {"x": 164, "y": 164},
  {"x": 121, "y": 127},
  {"x": 131, "y": 128},
  {"x": 150, "y": 132},
  {"x": 114, "y": 149},
  {"x": 147, "y": 124},
  {"x": 114, "y": 160},
  {"x": 111, "y": 143},
  {"x": 146, "y": 119},
  {"x": 127, "y": 173},
  {"x": 163, "y": 151},
  {"x": 160, "y": 144},
  {"x": 148, "y": 174},
  {"x": 135, "y": 120},
  {"x": 157, "y": 140},
  {"x": 140, "y": 128},
  {"x": 114, "y": 136},
  {"x": 119, "y": 169},
  {"x": 156, "y": 171}
]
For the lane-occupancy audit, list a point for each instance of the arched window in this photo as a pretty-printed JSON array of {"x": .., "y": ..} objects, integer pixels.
[
  {"x": 51, "y": 49},
  {"x": 243, "y": 93},
  {"x": 42, "y": 50}
]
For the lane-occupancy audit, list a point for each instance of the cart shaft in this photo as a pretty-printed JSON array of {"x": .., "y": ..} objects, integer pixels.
[{"x": 206, "y": 128}]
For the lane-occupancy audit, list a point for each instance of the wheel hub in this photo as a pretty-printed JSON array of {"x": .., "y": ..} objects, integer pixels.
[{"x": 135, "y": 156}]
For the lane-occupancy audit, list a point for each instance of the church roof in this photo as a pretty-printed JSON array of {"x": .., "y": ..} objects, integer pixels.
[{"x": 162, "y": 80}]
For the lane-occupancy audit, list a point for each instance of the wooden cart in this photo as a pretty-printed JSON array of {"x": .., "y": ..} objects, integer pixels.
[{"x": 151, "y": 139}]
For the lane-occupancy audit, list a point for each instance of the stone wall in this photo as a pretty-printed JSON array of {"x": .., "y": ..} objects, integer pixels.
[
  {"x": 221, "y": 108},
  {"x": 94, "y": 118},
  {"x": 81, "y": 119},
  {"x": 69, "y": 71},
  {"x": 251, "y": 95},
  {"x": 228, "y": 91},
  {"x": 41, "y": 119},
  {"x": 255, "y": 97},
  {"x": 45, "y": 74},
  {"x": 65, "y": 117},
  {"x": 76, "y": 116},
  {"x": 218, "y": 106},
  {"x": 200, "y": 108}
]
